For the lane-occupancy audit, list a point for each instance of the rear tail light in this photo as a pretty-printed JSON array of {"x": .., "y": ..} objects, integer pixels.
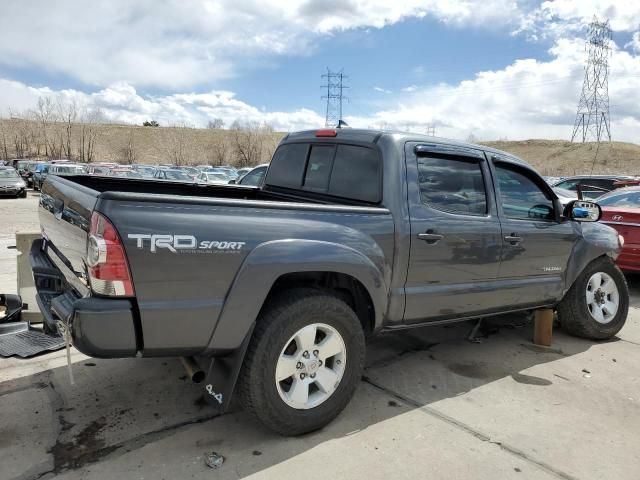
[{"x": 108, "y": 267}]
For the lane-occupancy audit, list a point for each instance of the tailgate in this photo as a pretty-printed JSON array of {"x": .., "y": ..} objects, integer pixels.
[{"x": 65, "y": 218}]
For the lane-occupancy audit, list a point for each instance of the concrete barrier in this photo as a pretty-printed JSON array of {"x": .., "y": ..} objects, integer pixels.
[{"x": 26, "y": 286}]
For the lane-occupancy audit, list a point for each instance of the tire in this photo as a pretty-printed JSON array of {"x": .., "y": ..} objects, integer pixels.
[
  {"x": 282, "y": 319},
  {"x": 23, "y": 195},
  {"x": 575, "y": 311}
]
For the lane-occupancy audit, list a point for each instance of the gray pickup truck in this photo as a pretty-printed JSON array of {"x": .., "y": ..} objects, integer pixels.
[{"x": 353, "y": 232}]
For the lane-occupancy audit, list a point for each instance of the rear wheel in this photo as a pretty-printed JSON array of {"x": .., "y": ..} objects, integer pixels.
[
  {"x": 597, "y": 304},
  {"x": 304, "y": 362}
]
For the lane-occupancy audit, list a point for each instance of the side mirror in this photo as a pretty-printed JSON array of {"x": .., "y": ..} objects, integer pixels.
[
  {"x": 232, "y": 182},
  {"x": 583, "y": 211}
]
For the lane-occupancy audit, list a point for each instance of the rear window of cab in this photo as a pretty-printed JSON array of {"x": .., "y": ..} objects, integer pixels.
[{"x": 340, "y": 170}]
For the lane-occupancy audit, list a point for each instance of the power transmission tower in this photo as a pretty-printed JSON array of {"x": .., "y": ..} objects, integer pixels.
[
  {"x": 431, "y": 130},
  {"x": 592, "y": 119},
  {"x": 334, "y": 96}
]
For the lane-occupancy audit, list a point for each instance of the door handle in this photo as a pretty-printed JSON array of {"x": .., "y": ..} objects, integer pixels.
[
  {"x": 431, "y": 237},
  {"x": 513, "y": 239}
]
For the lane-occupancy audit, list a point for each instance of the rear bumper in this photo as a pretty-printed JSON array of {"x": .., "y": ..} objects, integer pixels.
[{"x": 100, "y": 327}]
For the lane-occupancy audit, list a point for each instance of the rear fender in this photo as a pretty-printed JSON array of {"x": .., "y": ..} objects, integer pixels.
[{"x": 268, "y": 262}]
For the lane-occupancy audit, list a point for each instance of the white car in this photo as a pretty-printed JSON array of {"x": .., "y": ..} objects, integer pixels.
[{"x": 212, "y": 178}]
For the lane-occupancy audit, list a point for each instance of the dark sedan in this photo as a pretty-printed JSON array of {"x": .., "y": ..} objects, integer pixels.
[{"x": 11, "y": 184}]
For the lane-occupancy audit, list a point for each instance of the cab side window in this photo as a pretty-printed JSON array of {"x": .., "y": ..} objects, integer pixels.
[
  {"x": 521, "y": 197},
  {"x": 452, "y": 185}
]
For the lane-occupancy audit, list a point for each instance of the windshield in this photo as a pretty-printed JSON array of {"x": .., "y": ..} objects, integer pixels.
[
  {"x": 621, "y": 199},
  {"x": 8, "y": 173}
]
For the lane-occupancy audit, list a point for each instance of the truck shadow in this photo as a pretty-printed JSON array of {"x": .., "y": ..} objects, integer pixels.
[{"x": 118, "y": 407}]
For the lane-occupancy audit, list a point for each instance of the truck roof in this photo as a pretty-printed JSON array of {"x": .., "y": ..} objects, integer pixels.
[{"x": 372, "y": 136}]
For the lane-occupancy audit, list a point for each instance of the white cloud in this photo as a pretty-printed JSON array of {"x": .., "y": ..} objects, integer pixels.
[
  {"x": 177, "y": 44},
  {"x": 382, "y": 90},
  {"x": 122, "y": 104},
  {"x": 558, "y": 18},
  {"x": 527, "y": 99}
]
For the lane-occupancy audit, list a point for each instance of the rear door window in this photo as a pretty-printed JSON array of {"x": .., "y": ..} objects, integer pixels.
[{"x": 452, "y": 185}]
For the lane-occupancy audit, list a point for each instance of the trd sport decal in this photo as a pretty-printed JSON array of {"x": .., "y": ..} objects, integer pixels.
[{"x": 184, "y": 243}]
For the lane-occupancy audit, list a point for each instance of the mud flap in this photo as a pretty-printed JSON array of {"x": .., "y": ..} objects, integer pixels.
[{"x": 222, "y": 376}]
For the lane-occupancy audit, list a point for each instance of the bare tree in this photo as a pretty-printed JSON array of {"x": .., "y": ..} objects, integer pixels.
[
  {"x": 216, "y": 123},
  {"x": 22, "y": 136},
  {"x": 178, "y": 153},
  {"x": 4, "y": 151},
  {"x": 128, "y": 151},
  {"x": 68, "y": 114},
  {"x": 247, "y": 142},
  {"x": 88, "y": 134},
  {"x": 218, "y": 152},
  {"x": 44, "y": 114}
]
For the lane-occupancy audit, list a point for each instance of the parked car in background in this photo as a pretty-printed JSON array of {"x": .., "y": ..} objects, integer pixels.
[
  {"x": 553, "y": 180},
  {"x": 20, "y": 166},
  {"x": 40, "y": 175},
  {"x": 254, "y": 177},
  {"x": 591, "y": 186},
  {"x": 193, "y": 172},
  {"x": 172, "y": 174},
  {"x": 212, "y": 178},
  {"x": 241, "y": 171},
  {"x": 124, "y": 173},
  {"x": 146, "y": 171},
  {"x": 621, "y": 210},
  {"x": 565, "y": 196},
  {"x": 65, "y": 169},
  {"x": 11, "y": 184},
  {"x": 29, "y": 170},
  {"x": 100, "y": 168},
  {"x": 231, "y": 172}
]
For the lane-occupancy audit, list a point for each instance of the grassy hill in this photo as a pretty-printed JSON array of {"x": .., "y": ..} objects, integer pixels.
[
  {"x": 254, "y": 145},
  {"x": 558, "y": 157}
]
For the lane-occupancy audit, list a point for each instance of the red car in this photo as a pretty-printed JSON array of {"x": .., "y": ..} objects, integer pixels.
[{"x": 621, "y": 210}]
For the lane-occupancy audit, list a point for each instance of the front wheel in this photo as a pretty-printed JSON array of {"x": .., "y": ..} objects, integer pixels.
[
  {"x": 597, "y": 304},
  {"x": 304, "y": 362}
]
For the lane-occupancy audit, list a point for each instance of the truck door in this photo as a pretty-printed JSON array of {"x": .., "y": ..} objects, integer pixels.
[
  {"x": 536, "y": 245},
  {"x": 456, "y": 239}
]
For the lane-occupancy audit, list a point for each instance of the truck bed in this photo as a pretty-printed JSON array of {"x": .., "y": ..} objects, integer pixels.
[{"x": 144, "y": 186}]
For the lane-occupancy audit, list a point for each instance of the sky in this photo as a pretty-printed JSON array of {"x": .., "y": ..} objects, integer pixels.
[{"x": 491, "y": 69}]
